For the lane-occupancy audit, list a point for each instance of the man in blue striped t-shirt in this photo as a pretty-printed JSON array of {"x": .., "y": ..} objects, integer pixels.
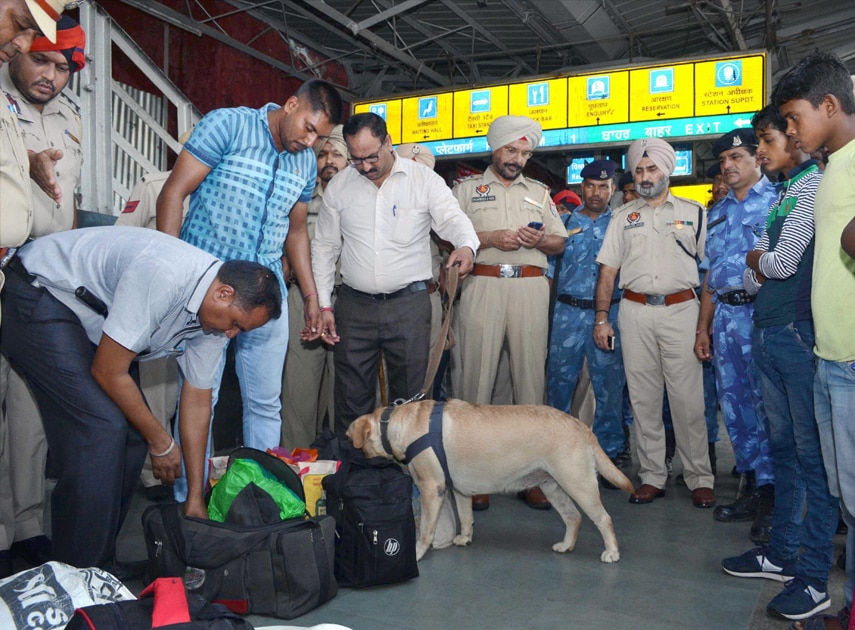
[{"x": 250, "y": 175}]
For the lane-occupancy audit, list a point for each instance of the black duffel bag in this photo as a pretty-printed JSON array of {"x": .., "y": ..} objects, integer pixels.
[
  {"x": 375, "y": 529},
  {"x": 283, "y": 569}
]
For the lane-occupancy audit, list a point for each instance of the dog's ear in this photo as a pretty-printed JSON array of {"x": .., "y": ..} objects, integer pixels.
[{"x": 360, "y": 431}]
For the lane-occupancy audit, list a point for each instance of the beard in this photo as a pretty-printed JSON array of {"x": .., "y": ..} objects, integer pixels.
[{"x": 650, "y": 190}]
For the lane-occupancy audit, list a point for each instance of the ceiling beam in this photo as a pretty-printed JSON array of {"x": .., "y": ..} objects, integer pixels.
[{"x": 382, "y": 16}]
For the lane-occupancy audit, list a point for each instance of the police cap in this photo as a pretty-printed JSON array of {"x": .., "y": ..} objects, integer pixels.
[
  {"x": 734, "y": 140},
  {"x": 599, "y": 169}
]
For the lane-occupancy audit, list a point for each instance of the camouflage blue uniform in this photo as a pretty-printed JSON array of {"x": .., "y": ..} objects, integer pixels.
[
  {"x": 733, "y": 229},
  {"x": 572, "y": 332}
]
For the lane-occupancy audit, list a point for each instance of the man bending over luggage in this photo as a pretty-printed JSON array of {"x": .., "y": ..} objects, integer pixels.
[{"x": 79, "y": 309}]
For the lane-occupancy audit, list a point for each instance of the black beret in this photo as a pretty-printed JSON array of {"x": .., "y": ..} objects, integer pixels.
[
  {"x": 599, "y": 169},
  {"x": 733, "y": 140}
]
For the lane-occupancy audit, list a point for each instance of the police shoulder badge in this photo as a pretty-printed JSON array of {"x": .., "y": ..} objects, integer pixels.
[{"x": 633, "y": 220}]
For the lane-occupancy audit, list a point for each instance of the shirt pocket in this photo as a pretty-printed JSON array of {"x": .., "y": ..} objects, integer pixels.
[{"x": 406, "y": 227}]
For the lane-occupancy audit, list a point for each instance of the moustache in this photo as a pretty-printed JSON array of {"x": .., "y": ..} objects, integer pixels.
[{"x": 46, "y": 83}]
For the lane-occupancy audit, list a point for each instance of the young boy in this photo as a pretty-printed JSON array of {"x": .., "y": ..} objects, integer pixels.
[
  {"x": 779, "y": 272},
  {"x": 815, "y": 97}
]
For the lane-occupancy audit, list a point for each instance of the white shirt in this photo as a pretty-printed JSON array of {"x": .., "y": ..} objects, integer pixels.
[{"x": 383, "y": 234}]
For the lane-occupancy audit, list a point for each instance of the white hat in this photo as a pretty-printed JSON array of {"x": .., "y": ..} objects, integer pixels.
[{"x": 46, "y": 13}]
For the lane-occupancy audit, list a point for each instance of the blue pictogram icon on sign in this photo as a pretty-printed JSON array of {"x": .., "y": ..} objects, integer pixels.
[
  {"x": 728, "y": 74},
  {"x": 538, "y": 94},
  {"x": 661, "y": 80},
  {"x": 427, "y": 107},
  {"x": 598, "y": 88},
  {"x": 379, "y": 109}
]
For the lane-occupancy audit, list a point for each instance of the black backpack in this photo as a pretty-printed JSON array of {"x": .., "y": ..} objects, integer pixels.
[
  {"x": 371, "y": 502},
  {"x": 171, "y": 607}
]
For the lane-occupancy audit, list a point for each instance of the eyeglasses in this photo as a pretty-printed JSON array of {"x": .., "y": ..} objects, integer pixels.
[
  {"x": 513, "y": 152},
  {"x": 371, "y": 159}
]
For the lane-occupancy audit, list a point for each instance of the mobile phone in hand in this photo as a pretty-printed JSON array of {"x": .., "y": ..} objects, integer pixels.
[{"x": 536, "y": 225}]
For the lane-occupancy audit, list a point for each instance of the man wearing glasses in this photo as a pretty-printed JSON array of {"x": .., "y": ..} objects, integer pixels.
[
  {"x": 377, "y": 216},
  {"x": 507, "y": 299}
]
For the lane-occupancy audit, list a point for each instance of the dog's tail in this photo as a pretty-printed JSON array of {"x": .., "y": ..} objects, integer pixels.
[{"x": 608, "y": 470}]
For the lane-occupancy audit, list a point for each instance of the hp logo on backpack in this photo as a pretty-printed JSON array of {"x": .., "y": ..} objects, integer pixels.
[{"x": 391, "y": 547}]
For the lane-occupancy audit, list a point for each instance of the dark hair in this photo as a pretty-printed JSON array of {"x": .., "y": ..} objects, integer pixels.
[
  {"x": 255, "y": 285},
  {"x": 813, "y": 78},
  {"x": 374, "y": 123},
  {"x": 769, "y": 116},
  {"x": 322, "y": 97}
]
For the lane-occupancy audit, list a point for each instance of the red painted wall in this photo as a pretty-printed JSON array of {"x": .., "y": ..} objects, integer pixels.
[{"x": 210, "y": 73}]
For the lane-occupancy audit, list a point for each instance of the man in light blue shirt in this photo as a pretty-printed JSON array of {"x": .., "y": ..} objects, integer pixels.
[
  {"x": 79, "y": 309},
  {"x": 250, "y": 175}
]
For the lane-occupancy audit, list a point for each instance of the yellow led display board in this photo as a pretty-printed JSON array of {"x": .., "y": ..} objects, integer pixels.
[
  {"x": 543, "y": 101},
  {"x": 390, "y": 111},
  {"x": 662, "y": 92},
  {"x": 427, "y": 118},
  {"x": 729, "y": 85},
  {"x": 474, "y": 110},
  {"x": 599, "y": 99}
]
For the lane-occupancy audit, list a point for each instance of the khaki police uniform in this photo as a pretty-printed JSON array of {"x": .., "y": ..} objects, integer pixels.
[
  {"x": 16, "y": 220},
  {"x": 57, "y": 126},
  {"x": 505, "y": 310},
  {"x": 307, "y": 380},
  {"x": 141, "y": 209},
  {"x": 655, "y": 250}
]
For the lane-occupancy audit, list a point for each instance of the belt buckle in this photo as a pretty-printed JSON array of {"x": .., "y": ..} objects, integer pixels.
[
  {"x": 655, "y": 300},
  {"x": 509, "y": 271}
]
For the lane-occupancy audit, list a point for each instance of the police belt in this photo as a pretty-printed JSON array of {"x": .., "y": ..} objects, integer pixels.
[
  {"x": 579, "y": 302},
  {"x": 507, "y": 271},
  {"x": 414, "y": 287},
  {"x": 737, "y": 297},
  {"x": 659, "y": 300}
]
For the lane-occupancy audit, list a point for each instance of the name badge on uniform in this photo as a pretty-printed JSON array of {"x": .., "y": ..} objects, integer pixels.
[
  {"x": 537, "y": 205},
  {"x": 573, "y": 231},
  {"x": 679, "y": 225}
]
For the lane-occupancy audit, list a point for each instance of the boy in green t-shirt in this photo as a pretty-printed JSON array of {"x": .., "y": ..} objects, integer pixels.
[{"x": 816, "y": 98}]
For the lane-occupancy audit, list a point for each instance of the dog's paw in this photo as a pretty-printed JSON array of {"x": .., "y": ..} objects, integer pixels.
[
  {"x": 462, "y": 541},
  {"x": 563, "y": 547},
  {"x": 610, "y": 556}
]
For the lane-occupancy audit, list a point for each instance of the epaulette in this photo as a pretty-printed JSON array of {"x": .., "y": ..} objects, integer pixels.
[
  {"x": 466, "y": 179},
  {"x": 70, "y": 102},
  {"x": 536, "y": 181}
]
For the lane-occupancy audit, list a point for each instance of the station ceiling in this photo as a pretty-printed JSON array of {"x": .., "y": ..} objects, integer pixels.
[{"x": 394, "y": 46}]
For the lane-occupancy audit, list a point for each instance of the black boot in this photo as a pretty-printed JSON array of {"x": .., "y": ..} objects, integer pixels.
[
  {"x": 761, "y": 528},
  {"x": 745, "y": 506}
]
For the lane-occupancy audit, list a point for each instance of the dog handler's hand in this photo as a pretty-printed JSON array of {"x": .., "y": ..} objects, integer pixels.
[
  {"x": 328, "y": 334},
  {"x": 166, "y": 462},
  {"x": 602, "y": 334}
]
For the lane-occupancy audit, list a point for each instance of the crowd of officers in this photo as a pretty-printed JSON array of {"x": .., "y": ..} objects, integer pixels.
[{"x": 347, "y": 241}]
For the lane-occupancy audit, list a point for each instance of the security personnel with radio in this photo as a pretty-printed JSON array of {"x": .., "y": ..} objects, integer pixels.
[{"x": 575, "y": 276}]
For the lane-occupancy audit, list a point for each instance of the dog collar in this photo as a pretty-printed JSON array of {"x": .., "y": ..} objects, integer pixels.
[{"x": 384, "y": 429}]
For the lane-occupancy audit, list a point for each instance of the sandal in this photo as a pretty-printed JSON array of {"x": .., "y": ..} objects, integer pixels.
[{"x": 824, "y": 622}]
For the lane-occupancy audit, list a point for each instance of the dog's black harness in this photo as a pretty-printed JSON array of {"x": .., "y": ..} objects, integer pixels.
[{"x": 431, "y": 439}]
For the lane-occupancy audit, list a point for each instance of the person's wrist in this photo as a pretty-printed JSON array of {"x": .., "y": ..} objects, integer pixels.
[
  {"x": 308, "y": 296},
  {"x": 601, "y": 323},
  {"x": 326, "y": 309}
]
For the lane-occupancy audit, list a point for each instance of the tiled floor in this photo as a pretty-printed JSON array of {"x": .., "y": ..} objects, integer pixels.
[{"x": 669, "y": 575}]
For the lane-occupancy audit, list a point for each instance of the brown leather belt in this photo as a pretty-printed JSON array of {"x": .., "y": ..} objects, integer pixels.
[
  {"x": 432, "y": 287},
  {"x": 507, "y": 271},
  {"x": 659, "y": 300}
]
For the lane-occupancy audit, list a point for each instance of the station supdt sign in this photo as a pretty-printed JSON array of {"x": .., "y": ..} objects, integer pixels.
[{"x": 682, "y": 100}]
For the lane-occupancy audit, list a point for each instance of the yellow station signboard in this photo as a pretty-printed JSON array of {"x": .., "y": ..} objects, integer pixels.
[
  {"x": 390, "y": 111},
  {"x": 543, "y": 101},
  {"x": 729, "y": 85},
  {"x": 428, "y": 118},
  {"x": 599, "y": 99},
  {"x": 662, "y": 92},
  {"x": 474, "y": 110}
]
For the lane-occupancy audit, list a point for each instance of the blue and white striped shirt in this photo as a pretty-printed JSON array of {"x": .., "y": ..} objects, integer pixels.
[{"x": 240, "y": 210}]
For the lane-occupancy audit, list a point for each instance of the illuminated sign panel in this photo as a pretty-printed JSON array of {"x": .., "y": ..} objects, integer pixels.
[
  {"x": 474, "y": 110},
  {"x": 543, "y": 101},
  {"x": 731, "y": 85},
  {"x": 390, "y": 111},
  {"x": 662, "y": 93},
  {"x": 599, "y": 99},
  {"x": 681, "y": 100},
  {"x": 427, "y": 118}
]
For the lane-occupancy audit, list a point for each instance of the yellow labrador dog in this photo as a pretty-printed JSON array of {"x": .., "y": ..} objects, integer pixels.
[{"x": 499, "y": 449}]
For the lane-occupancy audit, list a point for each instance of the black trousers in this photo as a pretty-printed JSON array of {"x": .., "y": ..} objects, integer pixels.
[
  {"x": 400, "y": 329},
  {"x": 97, "y": 454}
]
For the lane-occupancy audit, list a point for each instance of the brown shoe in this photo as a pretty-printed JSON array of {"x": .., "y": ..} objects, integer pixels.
[
  {"x": 646, "y": 494},
  {"x": 535, "y": 499},
  {"x": 480, "y": 502},
  {"x": 703, "y": 497}
]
